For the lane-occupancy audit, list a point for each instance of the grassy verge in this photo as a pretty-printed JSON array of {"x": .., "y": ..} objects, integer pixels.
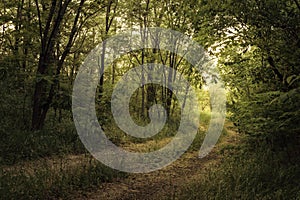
[
  {"x": 24, "y": 145},
  {"x": 247, "y": 173},
  {"x": 53, "y": 179}
]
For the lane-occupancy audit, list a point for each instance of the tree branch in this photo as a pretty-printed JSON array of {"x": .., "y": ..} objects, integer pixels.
[
  {"x": 49, "y": 19},
  {"x": 274, "y": 68},
  {"x": 72, "y": 36},
  {"x": 297, "y": 3},
  {"x": 40, "y": 22},
  {"x": 56, "y": 27}
]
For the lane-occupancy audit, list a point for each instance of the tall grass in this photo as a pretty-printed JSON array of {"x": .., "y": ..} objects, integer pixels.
[
  {"x": 18, "y": 145},
  {"x": 247, "y": 173},
  {"x": 58, "y": 178}
]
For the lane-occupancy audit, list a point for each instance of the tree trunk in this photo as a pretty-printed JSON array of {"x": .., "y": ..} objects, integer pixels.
[{"x": 42, "y": 100}]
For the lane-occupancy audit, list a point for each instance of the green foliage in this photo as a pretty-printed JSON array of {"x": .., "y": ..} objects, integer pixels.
[{"x": 258, "y": 55}]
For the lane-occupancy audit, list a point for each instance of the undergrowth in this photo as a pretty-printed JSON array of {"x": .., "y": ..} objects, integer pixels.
[
  {"x": 247, "y": 173},
  {"x": 18, "y": 145},
  {"x": 45, "y": 180}
]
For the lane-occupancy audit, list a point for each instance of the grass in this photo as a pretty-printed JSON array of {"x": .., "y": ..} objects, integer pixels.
[
  {"x": 247, "y": 173},
  {"x": 27, "y": 145},
  {"x": 53, "y": 179},
  {"x": 48, "y": 164}
]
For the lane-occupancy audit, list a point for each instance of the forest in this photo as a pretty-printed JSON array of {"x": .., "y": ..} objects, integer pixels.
[{"x": 254, "y": 46}]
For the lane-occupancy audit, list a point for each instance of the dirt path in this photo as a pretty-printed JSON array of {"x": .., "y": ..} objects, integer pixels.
[{"x": 164, "y": 183}]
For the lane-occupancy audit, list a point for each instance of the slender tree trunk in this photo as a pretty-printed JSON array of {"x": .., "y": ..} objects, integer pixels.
[
  {"x": 102, "y": 59},
  {"x": 109, "y": 17},
  {"x": 144, "y": 40}
]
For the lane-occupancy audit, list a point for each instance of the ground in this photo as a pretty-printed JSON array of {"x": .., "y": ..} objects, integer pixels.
[{"x": 166, "y": 183}]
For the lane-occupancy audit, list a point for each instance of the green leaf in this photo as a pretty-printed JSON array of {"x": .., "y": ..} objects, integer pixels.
[{"x": 292, "y": 79}]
